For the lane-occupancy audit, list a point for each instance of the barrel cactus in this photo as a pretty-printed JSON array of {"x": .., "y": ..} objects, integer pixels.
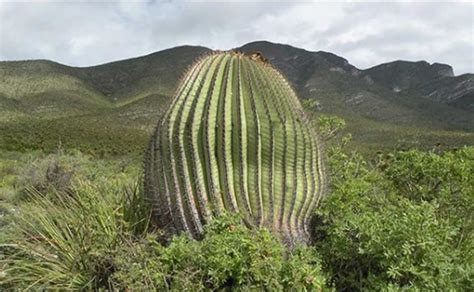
[{"x": 234, "y": 139}]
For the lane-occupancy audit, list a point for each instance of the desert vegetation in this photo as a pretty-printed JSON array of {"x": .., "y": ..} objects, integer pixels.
[
  {"x": 399, "y": 220},
  {"x": 74, "y": 214}
]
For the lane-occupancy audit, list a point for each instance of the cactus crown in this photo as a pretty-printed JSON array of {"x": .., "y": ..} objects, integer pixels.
[{"x": 234, "y": 138}]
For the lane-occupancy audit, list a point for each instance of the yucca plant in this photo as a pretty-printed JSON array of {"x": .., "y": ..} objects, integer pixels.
[
  {"x": 235, "y": 138},
  {"x": 68, "y": 241}
]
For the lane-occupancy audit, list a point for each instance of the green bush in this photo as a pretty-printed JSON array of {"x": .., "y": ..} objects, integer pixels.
[
  {"x": 404, "y": 221},
  {"x": 445, "y": 179},
  {"x": 229, "y": 256}
]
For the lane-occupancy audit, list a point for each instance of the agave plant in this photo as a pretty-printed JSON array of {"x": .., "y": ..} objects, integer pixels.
[{"x": 234, "y": 139}]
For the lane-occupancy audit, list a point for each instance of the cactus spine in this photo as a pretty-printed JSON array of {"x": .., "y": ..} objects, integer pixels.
[{"x": 234, "y": 138}]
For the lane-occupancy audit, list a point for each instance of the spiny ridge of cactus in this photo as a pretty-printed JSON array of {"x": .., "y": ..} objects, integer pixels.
[{"x": 234, "y": 138}]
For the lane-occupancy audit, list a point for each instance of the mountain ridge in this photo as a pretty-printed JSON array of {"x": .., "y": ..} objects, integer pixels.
[
  {"x": 397, "y": 96},
  {"x": 450, "y": 68}
]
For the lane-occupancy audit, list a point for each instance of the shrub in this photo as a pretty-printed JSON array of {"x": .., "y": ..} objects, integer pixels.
[
  {"x": 445, "y": 179},
  {"x": 386, "y": 225},
  {"x": 229, "y": 256}
]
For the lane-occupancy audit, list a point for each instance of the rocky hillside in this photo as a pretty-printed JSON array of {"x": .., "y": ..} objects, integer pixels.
[
  {"x": 400, "y": 92},
  {"x": 383, "y": 105}
]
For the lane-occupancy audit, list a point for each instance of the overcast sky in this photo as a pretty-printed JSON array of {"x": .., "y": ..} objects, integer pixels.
[{"x": 82, "y": 33}]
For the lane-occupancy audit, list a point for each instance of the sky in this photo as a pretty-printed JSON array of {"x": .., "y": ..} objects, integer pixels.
[{"x": 85, "y": 33}]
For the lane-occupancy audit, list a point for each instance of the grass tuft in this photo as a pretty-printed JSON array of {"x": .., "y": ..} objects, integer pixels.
[{"x": 67, "y": 242}]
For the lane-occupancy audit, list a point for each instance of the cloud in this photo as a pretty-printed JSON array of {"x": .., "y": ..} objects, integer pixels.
[
  {"x": 83, "y": 34},
  {"x": 407, "y": 31}
]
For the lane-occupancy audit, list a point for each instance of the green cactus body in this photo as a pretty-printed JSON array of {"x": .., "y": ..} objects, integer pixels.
[{"x": 235, "y": 138}]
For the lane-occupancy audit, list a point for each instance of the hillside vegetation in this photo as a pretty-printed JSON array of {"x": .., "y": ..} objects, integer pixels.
[{"x": 42, "y": 102}]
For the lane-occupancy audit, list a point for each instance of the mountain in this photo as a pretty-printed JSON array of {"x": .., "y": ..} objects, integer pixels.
[
  {"x": 406, "y": 93},
  {"x": 403, "y": 75},
  {"x": 432, "y": 81},
  {"x": 385, "y": 106}
]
